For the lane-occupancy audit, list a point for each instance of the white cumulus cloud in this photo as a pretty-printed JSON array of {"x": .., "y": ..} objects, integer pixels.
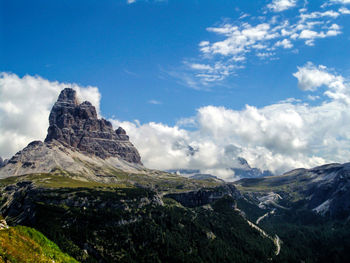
[
  {"x": 344, "y": 11},
  {"x": 311, "y": 77},
  {"x": 281, "y": 5},
  {"x": 278, "y": 137},
  {"x": 235, "y": 43},
  {"x": 285, "y": 43}
]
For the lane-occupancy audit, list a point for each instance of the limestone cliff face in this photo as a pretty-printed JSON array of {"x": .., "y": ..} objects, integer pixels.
[
  {"x": 205, "y": 196},
  {"x": 77, "y": 126}
]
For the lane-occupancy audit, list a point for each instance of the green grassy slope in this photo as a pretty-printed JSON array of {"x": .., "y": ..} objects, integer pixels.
[
  {"x": 24, "y": 244},
  {"x": 158, "y": 181}
]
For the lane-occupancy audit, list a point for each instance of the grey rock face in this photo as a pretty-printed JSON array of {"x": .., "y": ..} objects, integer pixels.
[
  {"x": 251, "y": 173},
  {"x": 205, "y": 196},
  {"x": 20, "y": 201},
  {"x": 16, "y": 204},
  {"x": 329, "y": 190},
  {"x": 324, "y": 189},
  {"x": 244, "y": 170},
  {"x": 77, "y": 126},
  {"x": 3, "y": 162}
]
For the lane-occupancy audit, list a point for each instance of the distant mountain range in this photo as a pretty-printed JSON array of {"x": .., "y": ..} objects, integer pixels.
[
  {"x": 324, "y": 190},
  {"x": 242, "y": 171}
]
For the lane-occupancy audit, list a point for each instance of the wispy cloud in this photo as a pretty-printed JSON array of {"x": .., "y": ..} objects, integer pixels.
[
  {"x": 241, "y": 41},
  {"x": 281, "y": 5},
  {"x": 211, "y": 73},
  {"x": 345, "y": 2},
  {"x": 151, "y": 1},
  {"x": 131, "y": 73},
  {"x": 155, "y": 102},
  {"x": 244, "y": 38},
  {"x": 238, "y": 39},
  {"x": 285, "y": 43},
  {"x": 344, "y": 11}
]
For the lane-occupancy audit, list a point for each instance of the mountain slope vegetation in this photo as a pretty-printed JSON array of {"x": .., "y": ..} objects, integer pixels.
[
  {"x": 24, "y": 244},
  {"x": 113, "y": 224}
]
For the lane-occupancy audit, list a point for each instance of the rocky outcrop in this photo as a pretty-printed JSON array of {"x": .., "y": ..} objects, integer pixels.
[
  {"x": 244, "y": 170},
  {"x": 16, "y": 204},
  {"x": 3, "y": 224},
  {"x": 329, "y": 190},
  {"x": 77, "y": 126},
  {"x": 3, "y": 162},
  {"x": 205, "y": 196},
  {"x": 40, "y": 157},
  {"x": 20, "y": 201},
  {"x": 324, "y": 190}
]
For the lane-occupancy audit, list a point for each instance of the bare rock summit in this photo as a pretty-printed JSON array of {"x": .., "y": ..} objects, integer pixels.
[
  {"x": 77, "y": 126},
  {"x": 77, "y": 142}
]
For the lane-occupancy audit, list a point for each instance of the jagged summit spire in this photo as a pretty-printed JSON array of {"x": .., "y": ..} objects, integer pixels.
[
  {"x": 77, "y": 126},
  {"x": 68, "y": 95}
]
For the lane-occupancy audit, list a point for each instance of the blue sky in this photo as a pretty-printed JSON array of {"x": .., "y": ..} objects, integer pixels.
[
  {"x": 135, "y": 53},
  {"x": 164, "y": 61}
]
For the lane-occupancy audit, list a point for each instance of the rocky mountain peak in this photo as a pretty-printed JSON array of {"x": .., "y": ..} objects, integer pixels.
[
  {"x": 2, "y": 162},
  {"x": 77, "y": 126},
  {"x": 68, "y": 95},
  {"x": 120, "y": 131},
  {"x": 243, "y": 163}
]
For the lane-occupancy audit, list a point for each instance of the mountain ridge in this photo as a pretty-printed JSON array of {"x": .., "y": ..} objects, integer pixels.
[{"x": 324, "y": 189}]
